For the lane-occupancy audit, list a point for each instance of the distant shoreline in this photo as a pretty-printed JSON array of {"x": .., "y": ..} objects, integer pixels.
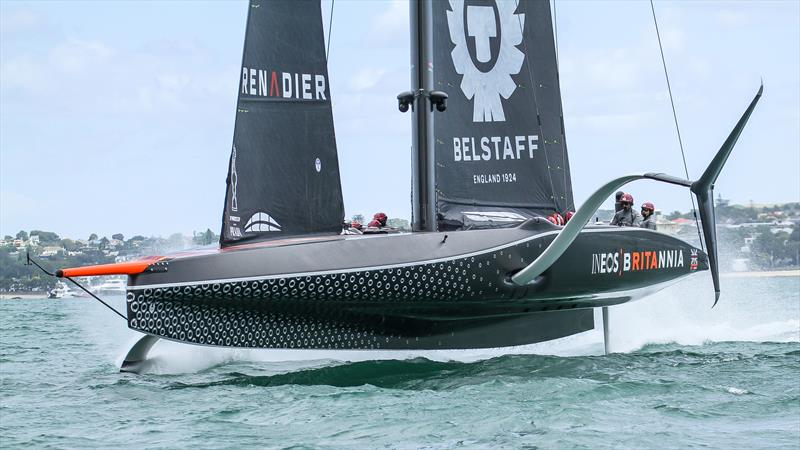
[
  {"x": 23, "y": 296},
  {"x": 763, "y": 274}
]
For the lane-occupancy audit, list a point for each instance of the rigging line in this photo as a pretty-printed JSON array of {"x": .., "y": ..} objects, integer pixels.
[
  {"x": 97, "y": 298},
  {"x": 555, "y": 25},
  {"x": 32, "y": 261},
  {"x": 536, "y": 103},
  {"x": 330, "y": 28},
  {"x": 675, "y": 117},
  {"x": 564, "y": 161}
]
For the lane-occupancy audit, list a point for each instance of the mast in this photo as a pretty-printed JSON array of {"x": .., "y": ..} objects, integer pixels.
[{"x": 423, "y": 161}]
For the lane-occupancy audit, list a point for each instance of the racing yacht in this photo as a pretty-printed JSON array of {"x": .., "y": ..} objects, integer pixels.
[{"x": 482, "y": 267}]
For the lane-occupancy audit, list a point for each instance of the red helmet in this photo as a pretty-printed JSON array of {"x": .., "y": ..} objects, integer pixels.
[
  {"x": 568, "y": 216},
  {"x": 556, "y": 219},
  {"x": 380, "y": 217},
  {"x": 626, "y": 198},
  {"x": 648, "y": 205},
  {"x": 356, "y": 224}
]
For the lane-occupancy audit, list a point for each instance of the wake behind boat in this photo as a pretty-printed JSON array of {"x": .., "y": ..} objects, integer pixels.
[{"x": 483, "y": 267}]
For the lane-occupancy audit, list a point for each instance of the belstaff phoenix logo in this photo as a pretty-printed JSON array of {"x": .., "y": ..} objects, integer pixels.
[{"x": 483, "y": 81}]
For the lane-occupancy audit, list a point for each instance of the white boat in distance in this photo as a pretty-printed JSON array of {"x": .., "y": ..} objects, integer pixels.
[
  {"x": 115, "y": 286},
  {"x": 61, "y": 291}
]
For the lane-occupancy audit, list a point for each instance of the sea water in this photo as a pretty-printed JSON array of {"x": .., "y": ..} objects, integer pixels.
[{"x": 682, "y": 375}]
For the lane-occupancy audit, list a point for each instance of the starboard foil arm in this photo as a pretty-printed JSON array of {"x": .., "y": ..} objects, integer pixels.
[{"x": 703, "y": 189}]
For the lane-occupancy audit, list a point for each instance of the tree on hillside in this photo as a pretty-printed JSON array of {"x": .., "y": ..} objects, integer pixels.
[
  {"x": 104, "y": 242},
  {"x": 118, "y": 236},
  {"x": 69, "y": 245},
  {"x": 205, "y": 238},
  {"x": 769, "y": 248},
  {"x": 358, "y": 218},
  {"x": 92, "y": 237},
  {"x": 22, "y": 235},
  {"x": 176, "y": 242},
  {"x": 677, "y": 215},
  {"x": 793, "y": 246},
  {"x": 135, "y": 241},
  {"x": 46, "y": 236},
  {"x": 400, "y": 224}
]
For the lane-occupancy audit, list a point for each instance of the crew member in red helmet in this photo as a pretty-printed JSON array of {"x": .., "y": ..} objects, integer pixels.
[
  {"x": 627, "y": 216},
  {"x": 556, "y": 219},
  {"x": 648, "y": 218},
  {"x": 378, "y": 220},
  {"x": 568, "y": 216}
]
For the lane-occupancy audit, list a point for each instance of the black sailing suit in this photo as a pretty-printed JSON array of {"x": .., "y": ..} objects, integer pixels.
[
  {"x": 649, "y": 222},
  {"x": 627, "y": 218}
]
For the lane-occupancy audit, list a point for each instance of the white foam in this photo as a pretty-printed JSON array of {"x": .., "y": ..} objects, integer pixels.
[
  {"x": 680, "y": 314},
  {"x": 736, "y": 391}
]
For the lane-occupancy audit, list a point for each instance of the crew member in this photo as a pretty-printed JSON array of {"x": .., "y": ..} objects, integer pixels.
[
  {"x": 648, "y": 219},
  {"x": 617, "y": 205},
  {"x": 353, "y": 227},
  {"x": 568, "y": 216},
  {"x": 378, "y": 220},
  {"x": 627, "y": 217},
  {"x": 556, "y": 219}
]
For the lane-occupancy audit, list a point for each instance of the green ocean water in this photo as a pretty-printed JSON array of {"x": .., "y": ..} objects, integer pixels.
[{"x": 682, "y": 376}]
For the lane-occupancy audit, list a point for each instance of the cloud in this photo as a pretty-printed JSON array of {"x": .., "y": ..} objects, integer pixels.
[
  {"x": 89, "y": 75},
  {"x": 366, "y": 78},
  {"x": 53, "y": 71},
  {"x": 731, "y": 18},
  {"x": 16, "y": 204},
  {"x": 600, "y": 70},
  {"x": 673, "y": 39},
  {"x": 610, "y": 123},
  {"x": 17, "y": 21},
  {"x": 22, "y": 73},
  {"x": 392, "y": 23},
  {"x": 75, "y": 55}
]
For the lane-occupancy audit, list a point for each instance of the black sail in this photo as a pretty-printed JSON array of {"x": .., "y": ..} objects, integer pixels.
[
  {"x": 500, "y": 147},
  {"x": 283, "y": 175}
]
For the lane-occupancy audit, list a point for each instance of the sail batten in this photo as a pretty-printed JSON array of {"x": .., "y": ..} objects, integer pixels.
[
  {"x": 283, "y": 175},
  {"x": 500, "y": 145}
]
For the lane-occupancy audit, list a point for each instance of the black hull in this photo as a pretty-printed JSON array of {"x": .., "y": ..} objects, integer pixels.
[{"x": 410, "y": 291}]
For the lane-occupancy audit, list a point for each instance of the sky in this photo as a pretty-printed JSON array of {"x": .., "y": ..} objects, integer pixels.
[{"x": 118, "y": 116}]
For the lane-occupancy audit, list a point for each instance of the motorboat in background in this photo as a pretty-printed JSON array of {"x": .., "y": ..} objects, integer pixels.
[
  {"x": 62, "y": 290},
  {"x": 115, "y": 286}
]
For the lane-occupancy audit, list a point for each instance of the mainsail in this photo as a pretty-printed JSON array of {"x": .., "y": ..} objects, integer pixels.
[
  {"x": 500, "y": 148},
  {"x": 283, "y": 175}
]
